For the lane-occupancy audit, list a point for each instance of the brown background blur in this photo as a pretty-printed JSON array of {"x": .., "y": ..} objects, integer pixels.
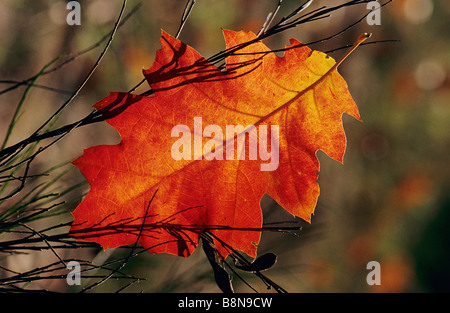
[{"x": 389, "y": 202}]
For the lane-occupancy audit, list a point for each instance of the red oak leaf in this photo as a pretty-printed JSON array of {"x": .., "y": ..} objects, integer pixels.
[{"x": 199, "y": 152}]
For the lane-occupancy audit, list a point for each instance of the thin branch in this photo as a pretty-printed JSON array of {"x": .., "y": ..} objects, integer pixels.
[
  {"x": 29, "y": 83},
  {"x": 73, "y": 57},
  {"x": 35, "y": 136},
  {"x": 97, "y": 63},
  {"x": 45, "y": 241},
  {"x": 187, "y": 11},
  {"x": 131, "y": 252}
]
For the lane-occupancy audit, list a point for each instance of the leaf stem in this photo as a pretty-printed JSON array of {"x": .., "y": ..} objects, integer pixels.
[{"x": 359, "y": 41}]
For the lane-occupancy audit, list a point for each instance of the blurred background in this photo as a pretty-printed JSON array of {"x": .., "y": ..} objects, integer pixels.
[{"x": 388, "y": 203}]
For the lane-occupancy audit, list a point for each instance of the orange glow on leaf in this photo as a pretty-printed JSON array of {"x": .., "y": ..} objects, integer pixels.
[{"x": 300, "y": 92}]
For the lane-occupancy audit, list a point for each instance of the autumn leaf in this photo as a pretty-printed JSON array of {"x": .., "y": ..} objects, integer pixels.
[{"x": 180, "y": 170}]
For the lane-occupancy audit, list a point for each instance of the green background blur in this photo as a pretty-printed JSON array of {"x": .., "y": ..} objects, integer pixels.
[{"x": 389, "y": 202}]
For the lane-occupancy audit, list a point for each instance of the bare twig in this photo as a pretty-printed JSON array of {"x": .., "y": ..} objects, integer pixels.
[{"x": 69, "y": 58}]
